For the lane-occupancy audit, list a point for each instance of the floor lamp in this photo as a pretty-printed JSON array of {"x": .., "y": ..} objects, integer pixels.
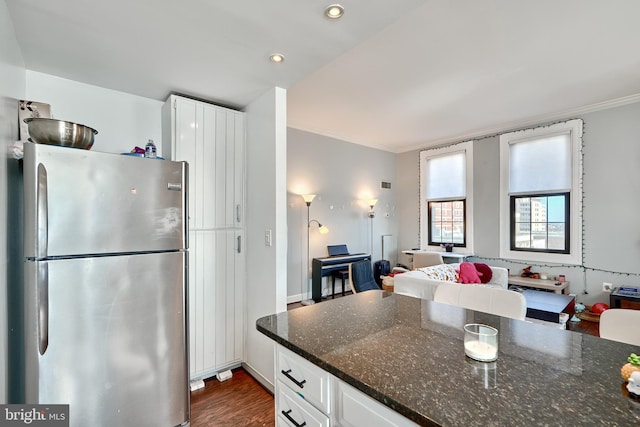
[
  {"x": 372, "y": 215},
  {"x": 308, "y": 198}
]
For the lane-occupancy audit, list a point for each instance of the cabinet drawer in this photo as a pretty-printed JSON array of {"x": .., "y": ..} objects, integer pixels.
[
  {"x": 305, "y": 378},
  {"x": 293, "y": 411},
  {"x": 354, "y": 408}
]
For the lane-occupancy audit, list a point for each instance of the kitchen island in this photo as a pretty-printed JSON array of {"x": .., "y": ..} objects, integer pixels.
[{"x": 408, "y": 355}]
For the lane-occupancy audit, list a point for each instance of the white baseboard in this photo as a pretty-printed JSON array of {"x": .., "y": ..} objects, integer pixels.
[
  {"x": 258, "y": 377},
  {"x": 212, "y": 372},
  {"x": 294, "y": 298},
  {"x": 326, "y": 293}
]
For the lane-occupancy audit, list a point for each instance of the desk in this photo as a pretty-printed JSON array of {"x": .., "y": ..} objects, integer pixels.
[
  {"x": 321, "y": 267},
  {"x": 408, "y": 354},
  {"x": 451, "y": 256},
  {"x": 549, "y": 285},
  {"x": 625, "y": 297}
]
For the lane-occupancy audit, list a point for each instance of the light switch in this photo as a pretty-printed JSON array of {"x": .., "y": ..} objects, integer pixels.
[{"x": 267, "y": 238}]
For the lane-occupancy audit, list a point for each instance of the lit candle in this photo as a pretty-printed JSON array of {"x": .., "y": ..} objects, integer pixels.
[
  {"x": 481, "y": 342},
  {"x": 482, "y": 351}
]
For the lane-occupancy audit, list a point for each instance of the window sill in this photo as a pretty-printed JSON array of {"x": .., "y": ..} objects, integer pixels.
[{"x": 570, "y": 259}]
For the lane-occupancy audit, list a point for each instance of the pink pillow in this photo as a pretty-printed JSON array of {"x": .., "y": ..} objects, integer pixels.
[
  {"x": 468, "y": 273},
  {"x": 485, "y": 270}
]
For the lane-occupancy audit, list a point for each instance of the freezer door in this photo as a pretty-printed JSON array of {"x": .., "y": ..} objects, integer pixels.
[
  {"x": 81, "y": 202},
  {"x": 107, "y": 336}
]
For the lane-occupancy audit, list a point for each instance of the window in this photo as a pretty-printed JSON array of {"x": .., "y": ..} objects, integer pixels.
[
  {"x": 446, "y": 196},
  {"x": 540, "y": 212},
  {"x": 540, "y": 223},
  {"x": 446, "y": 222}
]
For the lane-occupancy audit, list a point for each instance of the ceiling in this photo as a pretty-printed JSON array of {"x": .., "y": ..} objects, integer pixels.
[{"x": 395, "y": 75}]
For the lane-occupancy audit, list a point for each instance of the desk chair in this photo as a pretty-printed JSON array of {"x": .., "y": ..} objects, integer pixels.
[
  {"x": 361, "y": 276},
  {"x": 426, "y": 259},
  {"x": 422, "y": 259},
  {"x": 496, "y": 301},
  {"x": 619, "y": 324}
]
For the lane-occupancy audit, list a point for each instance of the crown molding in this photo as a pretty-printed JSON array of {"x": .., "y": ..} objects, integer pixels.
[{"x": 518, "y": 124}]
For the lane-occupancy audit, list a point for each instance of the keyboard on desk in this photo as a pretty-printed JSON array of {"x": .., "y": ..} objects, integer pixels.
[
  {"x": 338, "y": 262},
  {"x": 342, "y": 258}
]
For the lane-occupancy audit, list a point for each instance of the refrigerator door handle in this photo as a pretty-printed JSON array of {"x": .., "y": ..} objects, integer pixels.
[
  {"x": 42, "y": 299},
  {"x": 239, "y": 244},
  {"x": 42, "y": 215}
]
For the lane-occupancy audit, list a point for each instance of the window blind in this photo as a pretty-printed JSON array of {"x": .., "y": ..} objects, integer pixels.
[
  {"x": 446, "y": 177},
  {"x": 540, "y": 165}
]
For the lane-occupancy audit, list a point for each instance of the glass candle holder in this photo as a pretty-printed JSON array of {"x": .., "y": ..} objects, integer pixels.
[{"x": 481, "y": 342}]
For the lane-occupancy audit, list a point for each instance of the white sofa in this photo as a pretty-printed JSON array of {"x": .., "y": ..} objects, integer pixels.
[{"x": 420, "y": 283}]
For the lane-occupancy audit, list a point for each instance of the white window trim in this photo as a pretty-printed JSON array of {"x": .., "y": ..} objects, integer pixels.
[
  {"x": 464, "y": 147},
  {"x": 574, "y": 128}
]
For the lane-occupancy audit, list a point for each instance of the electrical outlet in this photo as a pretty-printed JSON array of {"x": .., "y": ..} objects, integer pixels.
[{"x": 607, "y": 287}]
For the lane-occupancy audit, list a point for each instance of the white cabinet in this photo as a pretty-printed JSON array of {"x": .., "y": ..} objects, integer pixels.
[
  {"x": 293, "y": 411},
  {"x": 211, "y": 140},
  {"x": 302, "y": 391},
  {"x": 304, "y": 378},
  {"x": 354, "y": 408},
  {"x": 308, "y": 395},
  {"x": 216, "y": 301}
]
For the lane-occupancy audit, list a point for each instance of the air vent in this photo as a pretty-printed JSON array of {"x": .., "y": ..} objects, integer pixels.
[{"x": 385, "y": 185}]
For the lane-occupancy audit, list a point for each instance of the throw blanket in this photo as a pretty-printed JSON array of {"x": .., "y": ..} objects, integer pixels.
[{"x": 446, "y": 272}]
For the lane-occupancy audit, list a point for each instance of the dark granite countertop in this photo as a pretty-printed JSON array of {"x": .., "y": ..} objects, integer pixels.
[{"x": 408, "y": 354}]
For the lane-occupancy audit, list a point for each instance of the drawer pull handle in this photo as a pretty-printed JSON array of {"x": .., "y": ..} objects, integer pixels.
[
  {"x": 290, "y": 418},
  {"x": 296, "y": 382}
]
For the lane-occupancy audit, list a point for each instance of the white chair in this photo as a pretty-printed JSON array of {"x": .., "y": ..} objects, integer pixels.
[
  {"x": 496, "y": 301},
  {"x": 619, "y": 324},
  {"x": 426, "y": 259},
  {"x": 422, "y": 259}
]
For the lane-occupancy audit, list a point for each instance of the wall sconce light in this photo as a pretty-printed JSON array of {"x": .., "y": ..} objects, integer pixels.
[
  {"x": 321, "y": 228},
  {"x": 308, "y": 198},
  {"x": 372, "y": 203}
]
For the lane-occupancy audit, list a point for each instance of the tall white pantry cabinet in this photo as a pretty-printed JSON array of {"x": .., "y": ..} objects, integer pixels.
[{"x": 211, "y": 139}]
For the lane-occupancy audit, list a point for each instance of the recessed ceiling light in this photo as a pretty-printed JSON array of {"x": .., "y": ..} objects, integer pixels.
[
  {"x": 277, "y": 58},
  {"x": 334, "y": 11}
]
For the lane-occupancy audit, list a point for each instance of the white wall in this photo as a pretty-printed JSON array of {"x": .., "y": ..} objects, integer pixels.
[
  {"x": 123, "y": 121},
  {"x": 343, "y": 176},
  {"x": 407, "y": 196},
  {"x": 266, "y": 210},
  {"x": 12, "y": 88},
  {"x": 610, "y": 185}
]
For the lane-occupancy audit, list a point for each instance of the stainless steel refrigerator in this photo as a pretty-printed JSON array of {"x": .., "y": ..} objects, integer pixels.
[{"x": 105, "y": 286}]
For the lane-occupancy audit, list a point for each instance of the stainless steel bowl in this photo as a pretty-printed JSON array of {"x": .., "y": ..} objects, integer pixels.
[{"x": 59, "y": 132}]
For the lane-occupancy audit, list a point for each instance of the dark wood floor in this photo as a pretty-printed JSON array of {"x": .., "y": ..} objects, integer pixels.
[
  {"x": 240, "y": 401},
  {"x": 337, "y": 295},
  {"x": 585, "y": 327}
]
